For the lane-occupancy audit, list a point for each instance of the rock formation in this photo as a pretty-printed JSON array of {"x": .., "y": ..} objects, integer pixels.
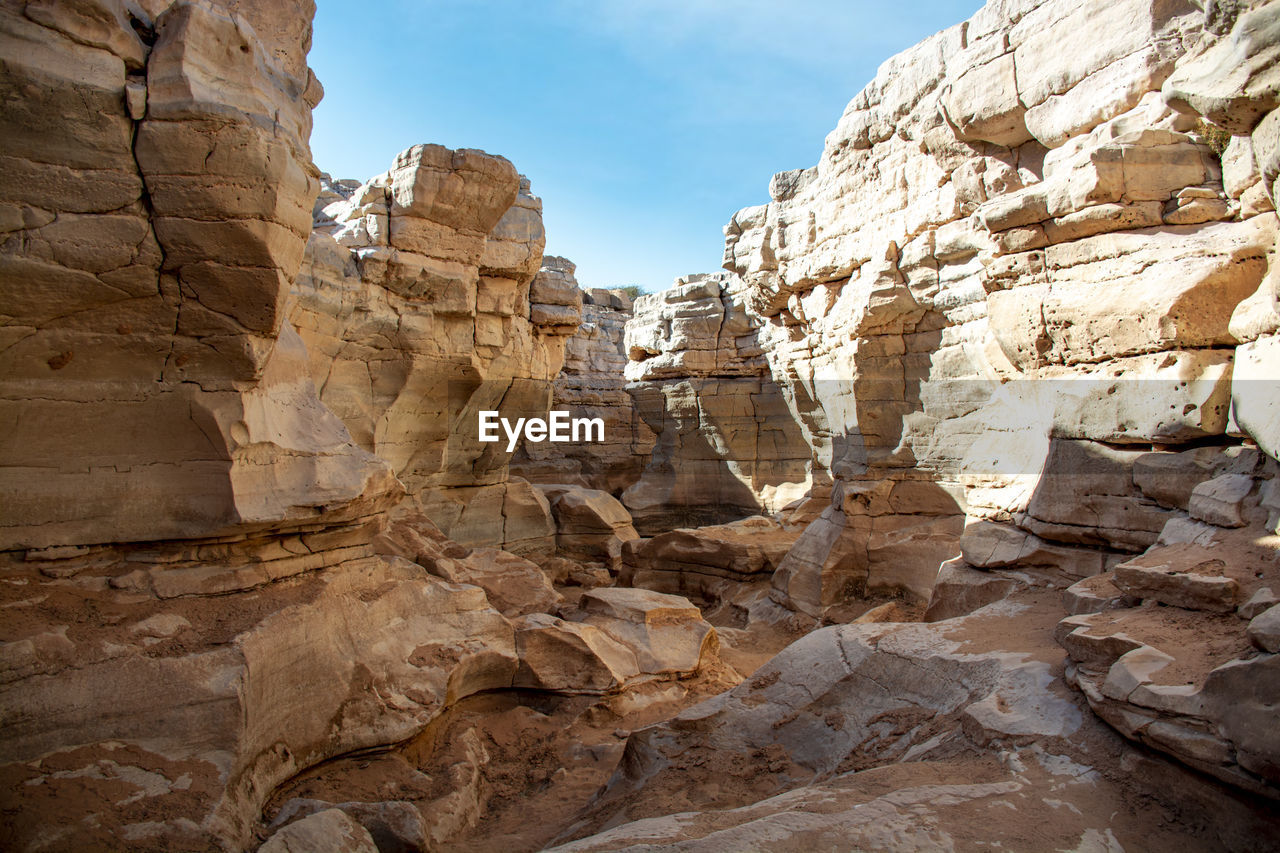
[
  {"x": 905, "y": 737},
  {"x": 151, "y": 392},
  {"x": 993, "y": 387},
  {"x": 203, "y": 454},
  {"x": 1024, "y": 311},
  {"x": 1011, "y": 260},
  {"x": 725, "y": 447},
  {"x": 422, "y": 301},
  {"x": 591, "y": 385}
]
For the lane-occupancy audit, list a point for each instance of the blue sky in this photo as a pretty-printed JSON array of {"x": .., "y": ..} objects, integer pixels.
[{"x": 643, "y": 124}]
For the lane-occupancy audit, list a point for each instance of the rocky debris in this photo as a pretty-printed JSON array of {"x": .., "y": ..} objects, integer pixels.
[
  {"x": 328, "y": 831},
  {"x": 1218, "y": 501},
  {"x": 424, "y": 302},
  {"x": 570, "y": 657},
  {"x": 962, "y": 589},
  {"x": 592, "y": 385},
  {"x": 902, "y": 735},
  {"x": 1264, "y": 630},
  {"x": 1184, "y": 575},
  {"x": 1169, "y": 661},
  {"x": 667, "y": 632},
  {"x": 615, "y": 639},
  {"x": 395, "y": 826},
  {"x": 591, "y": 525},
  {"x": 1094, "y": 595}
]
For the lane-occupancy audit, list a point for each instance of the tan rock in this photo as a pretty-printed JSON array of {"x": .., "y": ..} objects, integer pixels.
[
  {"x": 1264, "y": 630},
  {"x": 1255, "y": 403},
  {"x": 1170, "y": 478},
  {"x": 445, "y": 298},
  {"x": 988, "y": 545},
  {"x": 513, "y": 585},
  {"x": 983, "y": 104},
  {"x": 727, "y": 444},
  {"x": 666, "y": 633},
  {"x": 394, "y": 824},
  {"x": 1233, "y": 82},
  {"x": 590, "y": 525},
  {"x": 1087, "y": 496},
  {"x": 1219, "y": 500},
  {"x": 198, "y": 354},
  {"x": 1187, "y": 576},
  {"x": 262, "y": 685},
  {"x": 1071, "y": 319},
  {"x": 571, "y": 657},
  {"x": 960, "y": 590},
  {"x": 328, "y": 831},
  {"x": 592, "y": 385},
  {"x": 739, "y": 550}
]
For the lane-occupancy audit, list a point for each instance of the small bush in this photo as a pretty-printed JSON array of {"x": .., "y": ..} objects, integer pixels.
[{"x": 1215, "y": 137}]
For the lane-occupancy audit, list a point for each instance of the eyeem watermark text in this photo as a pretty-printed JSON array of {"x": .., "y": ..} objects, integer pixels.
[{"x": 558, "y": 427}]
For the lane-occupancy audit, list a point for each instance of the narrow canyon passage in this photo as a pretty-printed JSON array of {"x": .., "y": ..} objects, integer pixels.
[{"x": 338, "y": 515}]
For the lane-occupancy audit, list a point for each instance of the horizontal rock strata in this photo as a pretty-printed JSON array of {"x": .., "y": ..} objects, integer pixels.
[{"x": 591, "y": 385}]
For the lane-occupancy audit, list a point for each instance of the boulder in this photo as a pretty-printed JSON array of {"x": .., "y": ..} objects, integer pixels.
[
  {"x": 1264, "y": 630},
  {"x": 591, "y": 525},
  {"x": 328, "y": 831},
  {"x": 666, "y": 633}
]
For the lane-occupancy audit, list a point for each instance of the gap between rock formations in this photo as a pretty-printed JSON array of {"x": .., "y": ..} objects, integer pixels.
[{"x": 954, "y": 494}]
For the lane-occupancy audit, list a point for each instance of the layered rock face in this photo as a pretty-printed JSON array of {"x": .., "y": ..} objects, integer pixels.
[
  {"x": 1012, "y": 259},
  {"x": 591, "y": 385},
  {"x": 187, "y": 530},
  {"x": 726, "y": 446},
  {"x": 206, "y": 599},
  {"x": 422, "y": 300},
  {"x": 1009, "y": 350},
  {"x": 1024, "y": 312},
  {"x": 150, "y": 389}
]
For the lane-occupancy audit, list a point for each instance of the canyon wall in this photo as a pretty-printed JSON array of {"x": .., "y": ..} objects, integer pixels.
[
  {"x": 422, "y": 301},
  {"x": 221, "y": 438},
  {"x": 725, "y": 445},
  {"x": 149, "y": 389},
  {"x": 1024, "y": 313},
  {"x": 1010, "y": 258},
  {"x": 1012, "y": 342},
  {"x": 591, "y": 385}
]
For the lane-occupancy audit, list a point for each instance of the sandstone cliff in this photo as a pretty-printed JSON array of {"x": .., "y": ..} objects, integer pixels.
[
  {"x": 151, "y": 390},
  {"x": 1024, "y": 313},
  {"x": 700, "y": 381},
  {"x": 1006, "y": 247},
  {"x": 193, "y": 541},
  {"x": 1003, "y": 366},
  {"x": 421, "y": 303},
  {"x": 591, "y": 385}
]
